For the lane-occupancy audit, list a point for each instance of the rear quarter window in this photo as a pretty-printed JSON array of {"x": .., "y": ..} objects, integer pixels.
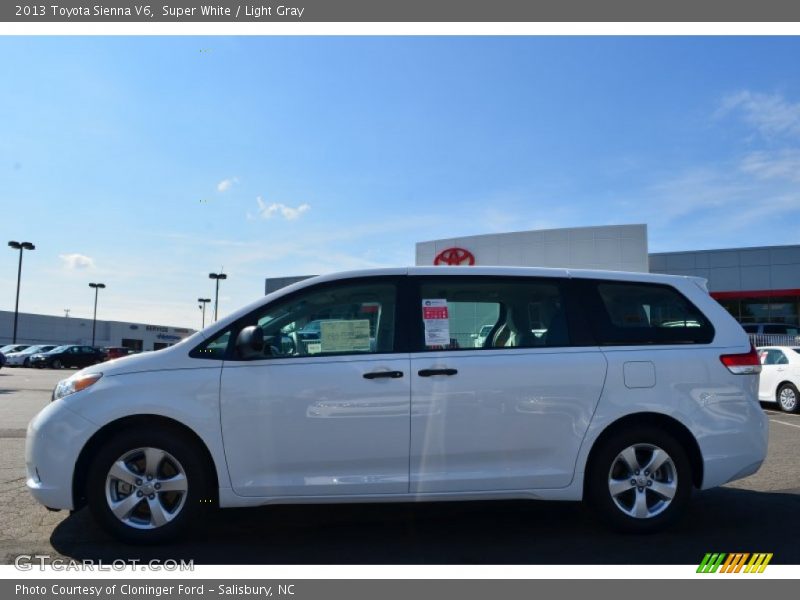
[{"x": 631, "y": 313}]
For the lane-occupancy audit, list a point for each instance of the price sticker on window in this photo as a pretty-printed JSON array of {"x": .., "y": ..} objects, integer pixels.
[{"x": 436, "y": 319}]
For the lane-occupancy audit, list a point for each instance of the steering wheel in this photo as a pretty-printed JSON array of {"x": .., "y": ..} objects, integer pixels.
[{"x": 286, "y": 345}]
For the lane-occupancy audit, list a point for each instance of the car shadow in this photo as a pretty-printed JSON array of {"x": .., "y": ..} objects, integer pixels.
[{"x": 501, "y": 532}]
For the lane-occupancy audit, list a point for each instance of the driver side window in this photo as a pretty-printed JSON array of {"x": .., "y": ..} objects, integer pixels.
[{"x": 336, "y": 319}]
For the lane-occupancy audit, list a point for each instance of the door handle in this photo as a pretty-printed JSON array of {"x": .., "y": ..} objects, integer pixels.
[
  {"x": 432, "y": 372},
  {"x": 380, "y": 374}
]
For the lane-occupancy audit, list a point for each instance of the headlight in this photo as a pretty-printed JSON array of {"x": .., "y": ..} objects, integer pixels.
[{"x": 76, "y": 383}]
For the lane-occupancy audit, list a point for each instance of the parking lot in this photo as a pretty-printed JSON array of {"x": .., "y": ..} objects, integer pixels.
[{"x": 758, "y": 514}]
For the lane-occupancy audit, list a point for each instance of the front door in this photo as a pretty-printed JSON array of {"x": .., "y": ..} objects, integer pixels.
[
  {"x": 325, "y": 409},
  {"x": 501, "y": 398}
]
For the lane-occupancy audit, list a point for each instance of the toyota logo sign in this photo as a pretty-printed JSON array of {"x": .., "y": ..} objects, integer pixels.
[{"x": 454, "y": 257}]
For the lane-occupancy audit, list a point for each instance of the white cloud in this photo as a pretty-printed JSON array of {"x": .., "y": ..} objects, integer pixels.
[
  {"x": 76, "y": 261},
  {"x": 277, "y": 209},
  {"x": 226, "y": 184},
  {"x": 771, "y": 114},
  {"x": 783, "y": 164}
]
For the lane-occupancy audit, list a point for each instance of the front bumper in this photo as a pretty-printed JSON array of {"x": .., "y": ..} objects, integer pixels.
[{"x": 55, "y": 438}]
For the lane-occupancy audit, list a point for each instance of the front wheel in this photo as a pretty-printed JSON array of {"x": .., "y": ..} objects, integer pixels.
[
  {"x": 787, "y": 398},
  {"x": 56, "y": 364},
  {"x": 639, "y": 480},
  {"x": 147, "y": 486}
]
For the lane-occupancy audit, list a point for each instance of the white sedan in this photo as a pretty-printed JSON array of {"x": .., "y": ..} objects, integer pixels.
[
  {"x": 780, "y": 376},
  {"x": 23, "y": 358}
]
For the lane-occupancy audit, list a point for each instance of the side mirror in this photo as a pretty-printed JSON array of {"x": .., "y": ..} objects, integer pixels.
[{"x": 250, "y": 342}]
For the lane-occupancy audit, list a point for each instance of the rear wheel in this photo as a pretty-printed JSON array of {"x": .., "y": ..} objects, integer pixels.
[
  {"x": 639, "y": 480},
  {"x": 147, "y": 486},
  {"x": 787, "y": 397}
]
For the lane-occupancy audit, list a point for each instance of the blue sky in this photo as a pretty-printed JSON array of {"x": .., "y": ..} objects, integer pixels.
[{"x": 147, "y": 162}]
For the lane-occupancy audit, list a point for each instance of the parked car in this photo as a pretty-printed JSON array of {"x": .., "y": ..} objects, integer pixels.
[
  {"x": 67, "y": 356},
  {"x": 8, "y": 349},
  {"x": 23, "y": 358},
  {"x": 112, "y": 352},
  {"x": 771, "y": 328},
  {"x": 780, "y": 377},
  {"x": 482, "y": 335},
  {"x": 773, "y": 334},
  {"x": 2, "y": 360},
  {"x": 606, "y": 404}
]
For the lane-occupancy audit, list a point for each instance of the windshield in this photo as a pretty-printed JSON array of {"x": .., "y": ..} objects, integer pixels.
[
  {"x": 57, "y": 349},
  {"x": 33, "y": 349},
  {"x": 12, "y": 348}
]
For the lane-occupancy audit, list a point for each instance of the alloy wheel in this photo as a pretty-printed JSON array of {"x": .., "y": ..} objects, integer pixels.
[
  {"x": 642, "y": 481},
  {"x": 146, "y": 488},
  {"x": 788, "y": 399}
]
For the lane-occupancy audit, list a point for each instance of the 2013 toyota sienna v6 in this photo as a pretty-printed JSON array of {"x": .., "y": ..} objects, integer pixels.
[{"x": 624, "y": 389}]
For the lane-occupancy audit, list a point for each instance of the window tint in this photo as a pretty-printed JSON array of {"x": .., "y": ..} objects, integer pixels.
[
  {"x": 215, "y": 348},
  {"x": 330, "y": 320},
  {"x": 642, "y": 313},
  {"x": 346, "y": 319},
  {"x": 484, "y": 313},
  {"x": 774, "y": 357},
  {"x": 775, "y": 329}
]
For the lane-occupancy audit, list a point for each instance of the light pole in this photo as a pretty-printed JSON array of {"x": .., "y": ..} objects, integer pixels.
[
  {"x": 97, "y": 287},
  {"x": 19, "y": 246},
  {"x": 216, "y": 276},
  {"x": 202, "y": 306}
]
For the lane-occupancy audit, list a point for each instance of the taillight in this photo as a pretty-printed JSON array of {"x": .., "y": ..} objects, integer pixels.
[{"x": 743, "y": 364}]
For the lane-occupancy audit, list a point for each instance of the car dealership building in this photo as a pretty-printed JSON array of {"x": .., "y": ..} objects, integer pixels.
[
  {"x": 47, "y": 329},
  {"x": 756, "y": 285}
]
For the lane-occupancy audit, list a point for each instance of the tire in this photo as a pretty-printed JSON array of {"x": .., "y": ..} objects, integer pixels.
[
  {"x": 26, "y": 363},
  {"x": 645, "y": 494},
  {"x": 158, "y": 516},
  {"x": 56, "y": 364},
  {"x": 788, "y": 398}
]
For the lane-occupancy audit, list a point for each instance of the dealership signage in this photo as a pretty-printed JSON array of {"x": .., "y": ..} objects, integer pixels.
[
  {"x": 162, "y": 336},
  {"x": 454, "y": 257}
]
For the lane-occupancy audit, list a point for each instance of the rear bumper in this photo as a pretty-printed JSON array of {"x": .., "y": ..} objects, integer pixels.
[{"x": 737, "y": 445}]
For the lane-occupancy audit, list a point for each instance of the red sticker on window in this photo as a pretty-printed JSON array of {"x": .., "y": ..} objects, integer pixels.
[{"x": 434, "y": 312}]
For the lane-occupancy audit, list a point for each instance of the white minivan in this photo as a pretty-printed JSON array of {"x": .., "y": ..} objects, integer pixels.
[{"x": 624, "y": 389}]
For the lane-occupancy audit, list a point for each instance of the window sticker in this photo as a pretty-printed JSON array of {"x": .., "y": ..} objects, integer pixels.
[
  {"x": 437, "y": 324},
  {"x": 344, "y": 336}
]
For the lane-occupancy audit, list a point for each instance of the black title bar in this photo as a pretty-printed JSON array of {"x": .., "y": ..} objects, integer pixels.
[{"x": 404, "y": 11}]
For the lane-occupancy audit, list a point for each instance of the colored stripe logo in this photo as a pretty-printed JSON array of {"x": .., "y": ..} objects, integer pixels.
[{"x": 736, "y": 562}]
